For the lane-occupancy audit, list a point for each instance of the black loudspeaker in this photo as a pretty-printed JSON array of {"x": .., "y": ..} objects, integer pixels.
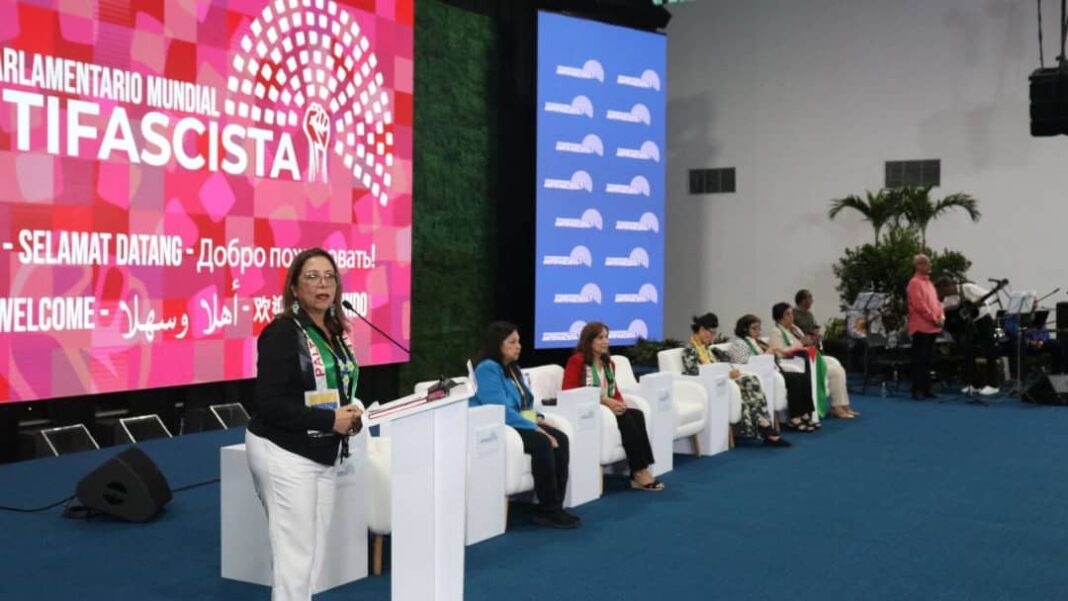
[
  {"x": 1049, "y": 102},
  {"x": 1050, "y": 390},
  {"x": 128, "y": 486},
  {"x": 1062, "y": 318}
]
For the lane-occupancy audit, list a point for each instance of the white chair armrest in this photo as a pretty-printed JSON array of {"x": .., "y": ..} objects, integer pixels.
[
  {"x": 559, "y": 422},
  {"x": 634, "y": 401}
]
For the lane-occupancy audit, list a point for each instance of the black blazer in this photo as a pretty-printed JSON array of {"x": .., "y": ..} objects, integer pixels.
[{"x": 283, "y": 374}]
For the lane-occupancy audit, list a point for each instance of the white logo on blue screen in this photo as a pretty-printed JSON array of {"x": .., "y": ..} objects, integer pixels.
[
  {"x": 646, "y": 294},
  {"x": 579, "y": 106},
  {"x": 639, "y": 113},
  {"x": 580, "y": 255},
  {"x": 591, "y": 219},
  {"x": 590, "y": 293},
  {"x": 636, "y": 329},
  {"x": 591, "y": 144},
  {"x": 590, "y": 70},
  {"x": 571, "y": 335},
  {"x": 638, "y": 258},
  {"x": 649, "y": 80},
  {"x": 647, "y": 223},
  {"x": 638, "y": 185},
  {"x": 648, "y": 152},
  {"x": 580, "y": 180}
]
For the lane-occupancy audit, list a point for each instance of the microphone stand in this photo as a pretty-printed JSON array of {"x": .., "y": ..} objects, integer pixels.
[
  {"x": 352, "y": 310},
  {"x": 437, "y": 391}
]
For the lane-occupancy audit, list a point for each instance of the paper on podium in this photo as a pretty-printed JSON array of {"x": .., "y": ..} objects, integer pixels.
[{"x": 377, "y": 413}]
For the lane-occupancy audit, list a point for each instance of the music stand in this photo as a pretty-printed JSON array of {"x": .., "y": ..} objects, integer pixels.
[
  {"x": 1021, "y": 304},
  {"x": 864, "y": 307}
]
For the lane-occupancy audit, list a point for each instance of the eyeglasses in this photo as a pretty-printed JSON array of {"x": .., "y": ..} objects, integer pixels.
[{"x": 313, "y": 277}]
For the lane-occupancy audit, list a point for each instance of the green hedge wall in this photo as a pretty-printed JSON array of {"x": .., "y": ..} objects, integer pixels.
[{"x": 454, "y": 188}]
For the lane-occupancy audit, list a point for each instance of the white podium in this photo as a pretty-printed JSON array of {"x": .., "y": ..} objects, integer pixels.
[
  {"x": 581, "y": 408},
  {"x": 246, "y": 551},
  {"x": 656, "y": 389},
  {"x": 429, "y": 475},
  {"x": 715, "y": 438}
]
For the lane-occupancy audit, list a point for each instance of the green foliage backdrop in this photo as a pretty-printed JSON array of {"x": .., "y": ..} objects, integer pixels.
[{"x": 454, "y": 188}]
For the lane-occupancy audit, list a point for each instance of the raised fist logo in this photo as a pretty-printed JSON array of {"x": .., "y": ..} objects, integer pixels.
[
  {"x": 310, "y": 58},
  {"x": 317, "y": 130}
]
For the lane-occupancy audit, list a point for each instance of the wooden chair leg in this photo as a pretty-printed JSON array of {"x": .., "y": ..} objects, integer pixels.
[
  {"x": 602, "y": 480},
  {"x": 730, "y": 437},
  {"x": 696, "y": 445},
  {"x": 506, "y": 505},
  {"x": 376, "y": 561}
]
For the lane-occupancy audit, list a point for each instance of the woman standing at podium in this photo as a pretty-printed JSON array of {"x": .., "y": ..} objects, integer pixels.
[
  {"x": 499, "y": 382},
  {"x": 591, "y": 365},
  {"x": 302, "y": 417}
]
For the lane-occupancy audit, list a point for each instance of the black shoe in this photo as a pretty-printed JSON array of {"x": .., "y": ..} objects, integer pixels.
[
  {"x": 555, "y": 518},
  {"x": 781, "y": 442},
  {"x": 576, "y": 520}
]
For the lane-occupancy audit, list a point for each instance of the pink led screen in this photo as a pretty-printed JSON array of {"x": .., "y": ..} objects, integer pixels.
[{"x": 162, "y": 161}]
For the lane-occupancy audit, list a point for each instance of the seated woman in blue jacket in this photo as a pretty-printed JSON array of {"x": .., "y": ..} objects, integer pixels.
[{"x": 500, "y": 382}]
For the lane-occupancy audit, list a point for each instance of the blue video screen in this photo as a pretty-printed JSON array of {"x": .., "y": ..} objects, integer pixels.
[{"x": 600, "y": 179}]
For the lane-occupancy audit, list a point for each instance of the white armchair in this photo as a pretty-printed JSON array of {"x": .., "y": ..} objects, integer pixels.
[
  {"x": 546, "y": 381},
  {"x": 577, "y": 413},
  {"x": 625, "y": 379},
  {"x": 517, "y": 477},
  {"x": 496, "y": 467},
  {"x": 670, "y": 361},
  {"x": 771, "y": 381},
  {"x": 722, "y": 402},
  {"x": 378, "y": 496}
]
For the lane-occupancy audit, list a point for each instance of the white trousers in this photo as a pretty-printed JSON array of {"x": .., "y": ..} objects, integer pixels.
[
  {"x": 298, "y": 496},
  {"x": 836, "y": 382}
]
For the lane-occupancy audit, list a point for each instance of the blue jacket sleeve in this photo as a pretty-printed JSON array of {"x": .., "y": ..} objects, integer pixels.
[{"x": 492, "y": 391}]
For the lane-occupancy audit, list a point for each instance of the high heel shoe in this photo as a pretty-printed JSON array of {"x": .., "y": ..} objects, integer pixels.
[{"x": 654, "y": 486}]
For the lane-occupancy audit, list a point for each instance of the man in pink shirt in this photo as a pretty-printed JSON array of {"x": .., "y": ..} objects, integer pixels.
[{"x": 926, "y": 319}]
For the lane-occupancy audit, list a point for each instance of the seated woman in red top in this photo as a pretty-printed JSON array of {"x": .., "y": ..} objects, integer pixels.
[{"x": 592, "y": 366}]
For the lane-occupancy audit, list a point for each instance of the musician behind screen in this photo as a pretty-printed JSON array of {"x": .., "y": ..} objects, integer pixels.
[{"x": 970, "y": 319}]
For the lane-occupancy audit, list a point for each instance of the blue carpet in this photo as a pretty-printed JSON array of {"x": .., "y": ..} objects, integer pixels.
[{"x": 933, "y": 501}]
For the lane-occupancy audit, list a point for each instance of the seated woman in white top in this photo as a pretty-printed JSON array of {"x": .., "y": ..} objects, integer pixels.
[
  {"x": 787, "y": 338},
  {"x": 746, "y": 344}
]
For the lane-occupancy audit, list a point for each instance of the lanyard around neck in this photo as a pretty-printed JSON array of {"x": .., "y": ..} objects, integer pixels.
[
  {"x": 344, "y": 364},
  {"x": 609, "y": 376},
  {"x": 785, "y": 337}
]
